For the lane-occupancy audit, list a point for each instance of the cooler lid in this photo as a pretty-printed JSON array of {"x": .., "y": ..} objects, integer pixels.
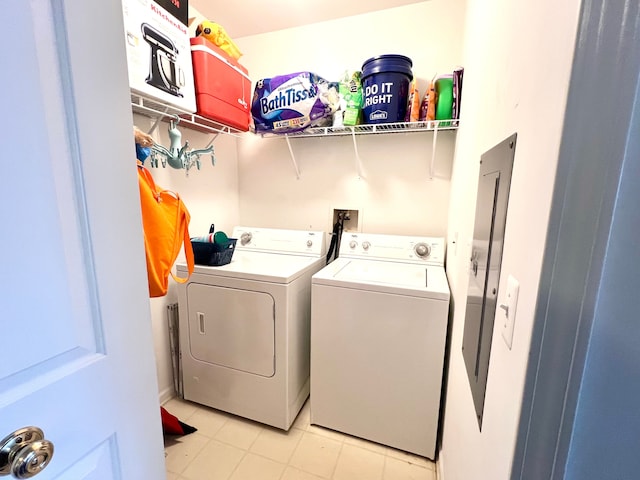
[{"x": 201, "y": 44}]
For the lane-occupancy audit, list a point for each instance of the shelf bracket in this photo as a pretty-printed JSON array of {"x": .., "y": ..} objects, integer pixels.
[
  {"x": 293, "y": 157},
  {"x": 157, "y": 122},
  {"x": 434, "y": 144},
  {"x": 213, "y": 155},
  {"x": 213, "y": 139},
  {"x": 358, "y": 160}
]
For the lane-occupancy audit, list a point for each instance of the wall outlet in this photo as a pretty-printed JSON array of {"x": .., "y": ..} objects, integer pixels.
[{"x": 508, "y": 310}]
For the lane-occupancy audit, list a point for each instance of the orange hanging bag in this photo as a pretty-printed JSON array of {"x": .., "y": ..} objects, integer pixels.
[{"x": 165, "y": 220}]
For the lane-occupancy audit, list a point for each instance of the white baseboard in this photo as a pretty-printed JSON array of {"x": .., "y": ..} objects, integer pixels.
[
  {"x": 166, "y": 395},
  {"x": 439, "y": 470}
]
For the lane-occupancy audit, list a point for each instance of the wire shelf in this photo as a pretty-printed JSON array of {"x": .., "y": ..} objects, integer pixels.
[
  {"x": 370, "y": 129},
  {"x": 158, "y": 110}
]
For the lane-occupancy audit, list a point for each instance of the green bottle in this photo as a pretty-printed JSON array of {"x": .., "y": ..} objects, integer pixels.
[{"x": 444, "y": 92}]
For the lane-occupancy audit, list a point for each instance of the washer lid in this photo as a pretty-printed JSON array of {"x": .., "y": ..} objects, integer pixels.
[
  {"x": 386, "y": 277},
  {"x": 267, "y": 267}
]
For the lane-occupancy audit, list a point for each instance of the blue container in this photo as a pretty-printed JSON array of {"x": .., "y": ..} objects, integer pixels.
[{"x": 385, "y": 88}]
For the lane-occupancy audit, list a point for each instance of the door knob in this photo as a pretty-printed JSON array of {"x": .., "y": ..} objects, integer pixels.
[{"x": 25, "y": 453}]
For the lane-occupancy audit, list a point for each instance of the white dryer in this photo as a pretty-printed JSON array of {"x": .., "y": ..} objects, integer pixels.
[
  {"x": 379, "y": 316},
  {"x": 244, "y": 327}
]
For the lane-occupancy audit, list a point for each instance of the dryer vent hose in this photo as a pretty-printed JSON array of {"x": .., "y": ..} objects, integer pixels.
[{"x": 336, "y": 235}]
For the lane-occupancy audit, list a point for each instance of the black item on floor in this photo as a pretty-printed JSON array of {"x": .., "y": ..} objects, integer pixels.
[{"x": 172, "y": 426}]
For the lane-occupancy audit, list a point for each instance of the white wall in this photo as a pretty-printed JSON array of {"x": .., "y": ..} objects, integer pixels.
[
  {"x": 517, "y": 62},
  {"x": 396, "y": 194},
  {"x": 211, "y": 196}
]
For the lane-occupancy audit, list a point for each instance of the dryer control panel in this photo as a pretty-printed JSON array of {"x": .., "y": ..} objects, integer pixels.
[
  {"x": 295, "y": 242},
  {"x": 398, "y": 248}
]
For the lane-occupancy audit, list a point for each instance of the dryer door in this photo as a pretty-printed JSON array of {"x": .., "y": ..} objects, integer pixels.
[{"x": 232, "y": 328}]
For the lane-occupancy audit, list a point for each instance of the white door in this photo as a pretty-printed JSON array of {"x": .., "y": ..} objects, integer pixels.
[{"x": 76, "y": 357}]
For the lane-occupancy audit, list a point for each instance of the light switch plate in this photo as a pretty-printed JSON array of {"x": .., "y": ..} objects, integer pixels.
[{"x": 509, "y": 315}]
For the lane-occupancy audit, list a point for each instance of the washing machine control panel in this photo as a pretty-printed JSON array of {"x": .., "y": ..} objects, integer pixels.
[{"x": 429, "y": 250}]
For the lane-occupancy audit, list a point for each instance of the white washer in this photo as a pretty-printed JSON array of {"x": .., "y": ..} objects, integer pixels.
[
  {"x": 379, "y": 317},
  {"x": 244, "y": 326}
]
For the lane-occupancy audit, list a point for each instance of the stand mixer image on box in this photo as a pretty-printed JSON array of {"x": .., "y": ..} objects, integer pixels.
[
  {"x": 158, "y": 56},
  {"x": 164, "y": 73}
]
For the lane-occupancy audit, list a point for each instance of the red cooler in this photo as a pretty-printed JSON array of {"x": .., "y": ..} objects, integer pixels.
[{"x": 223, "y": 87}]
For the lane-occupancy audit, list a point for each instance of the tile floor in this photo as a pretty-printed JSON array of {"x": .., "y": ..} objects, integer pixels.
[{"x": 227, "y": 447}]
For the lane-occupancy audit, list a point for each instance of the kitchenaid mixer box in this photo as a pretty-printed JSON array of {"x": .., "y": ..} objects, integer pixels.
[{"x": 158, "y": 54}]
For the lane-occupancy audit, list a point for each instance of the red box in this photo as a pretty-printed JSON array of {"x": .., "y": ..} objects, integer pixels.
[{"x": 223, "y": 87}]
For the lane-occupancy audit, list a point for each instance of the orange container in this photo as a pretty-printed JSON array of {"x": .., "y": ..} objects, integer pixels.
[{"x": 223, "y": 87}]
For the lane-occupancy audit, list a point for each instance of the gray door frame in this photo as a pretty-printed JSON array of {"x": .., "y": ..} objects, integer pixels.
[{"x": 598, "y": 147}]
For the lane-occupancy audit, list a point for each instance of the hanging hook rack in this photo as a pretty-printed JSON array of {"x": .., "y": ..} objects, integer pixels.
[{"x": 178, "y": 155}]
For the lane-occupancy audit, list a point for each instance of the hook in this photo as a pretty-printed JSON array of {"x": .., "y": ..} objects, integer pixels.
[{"x": 177, "y": 121}]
